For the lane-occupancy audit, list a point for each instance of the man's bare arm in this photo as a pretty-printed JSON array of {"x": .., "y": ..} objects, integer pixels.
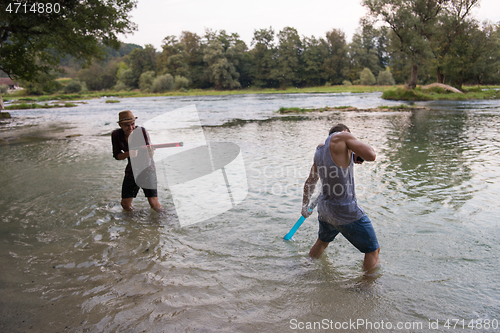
[
  {"x": 359, "y": 148},
  {"x": 309, "y": 187}
]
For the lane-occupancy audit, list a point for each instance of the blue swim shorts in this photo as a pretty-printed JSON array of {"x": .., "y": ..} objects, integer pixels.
[{"x": 359, "y": 233}]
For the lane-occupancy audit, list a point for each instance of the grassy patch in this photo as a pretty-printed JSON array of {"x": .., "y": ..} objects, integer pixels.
[
  {"x": 301, "y": 110},
  {"x": 473, "y": 89},
  {"x": 27, "y": 99},
  {"x": 292, "y": 110},
  {"x": 23, "y": 106},
  {"x": 67, "y": 97},
  {"x": 403, "y": 94},
  {"x": 396, "y": 107},
  {"x": 32, "y": 99},
  {"x": 436, "y": 93},
  {"x": 401, "y": 107},
  {"x": 112, "y": 101},
  {"x": 338, "y": 108},
  {"x": 43, "y": 98}
]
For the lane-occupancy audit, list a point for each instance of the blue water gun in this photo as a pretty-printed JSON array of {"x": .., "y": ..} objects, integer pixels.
[{"x": 301, "y": 220}]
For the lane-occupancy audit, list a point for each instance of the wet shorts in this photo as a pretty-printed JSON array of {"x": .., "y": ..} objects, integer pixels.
[
  {"x": 130, "y": 189},
  {"x": 359, "y": 233}
]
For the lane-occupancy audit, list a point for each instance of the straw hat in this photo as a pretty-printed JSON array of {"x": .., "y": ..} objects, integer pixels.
[{"x": 126, "y": 116}]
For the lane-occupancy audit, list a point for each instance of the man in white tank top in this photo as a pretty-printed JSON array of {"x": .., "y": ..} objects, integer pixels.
[{"x": 338, "y": 211}]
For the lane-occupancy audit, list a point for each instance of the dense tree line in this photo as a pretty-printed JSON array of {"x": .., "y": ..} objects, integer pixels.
[
  {"x": 418, "y": 42},
  {"x": 219, "y": 60}
]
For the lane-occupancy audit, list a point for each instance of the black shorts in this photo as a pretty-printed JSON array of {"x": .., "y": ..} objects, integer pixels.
[{"x": 130, "y": 189}]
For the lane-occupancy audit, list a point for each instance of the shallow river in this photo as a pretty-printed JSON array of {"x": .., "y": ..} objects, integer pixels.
[{"x": 73, "y": 261}]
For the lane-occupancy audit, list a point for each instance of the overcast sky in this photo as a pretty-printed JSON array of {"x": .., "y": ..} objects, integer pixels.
[{"x": 157, "y": 19}]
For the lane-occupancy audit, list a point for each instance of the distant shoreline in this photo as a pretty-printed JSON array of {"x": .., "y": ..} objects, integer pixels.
[{"x": 389, "y": 92}]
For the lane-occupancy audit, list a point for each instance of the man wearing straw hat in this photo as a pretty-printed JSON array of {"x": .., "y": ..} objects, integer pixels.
[{"x": 119, "y": 138}]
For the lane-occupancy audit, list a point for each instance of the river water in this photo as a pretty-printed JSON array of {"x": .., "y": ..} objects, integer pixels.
[{"x": 73, "y": 261}]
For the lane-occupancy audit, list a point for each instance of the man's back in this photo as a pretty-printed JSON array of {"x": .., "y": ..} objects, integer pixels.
[
  {"x": 341, "y": 154},
  {"x": 337, "y": 204}
]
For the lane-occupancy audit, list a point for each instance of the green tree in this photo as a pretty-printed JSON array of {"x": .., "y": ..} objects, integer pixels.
[
  {"x": 413, "y": 22},
  {"x": 453, "y": 25},
  {"x": 127, "y": 77},
  {"x": 313, "y": 58},
  {"x": 361, "y": 57},
  {"x": 487, "y": 69},
  {"x": 75, "y": 86},
  {"x": 367, "y": 49},
  {"x": 195, "y": 48},
  {"x": 173, "y": 59},
  {"x": 336, "y": 63},
  {"x": 34, "y": 43},
  {"x": 110, "y": 76},
  {"x": 181, "y": 82},
  {"x": 121, "y": 67},
  {"x": 221, "y": 56},
  {"x": 120, "y": 86},
  {"x": 236, "y": 53},
  {"x": 470, "y": 56},
  {"x": 400, "y": 66},
  {"x": 244, "y": 67},
  {"x": 263, "y": 57},
  {"x": 163, "y": 83},
  {"x": 46, "y": 84},
  {"x": 289, "y": 52},
  {"x": 146, "y": 80},
  {"x": 382, "y": 44},
  {"x": 385, "y": 78},
  {"x": 367, "y": 78},
  {"x": 140, "y": 61},
  {"x": 98, "y": 77}
]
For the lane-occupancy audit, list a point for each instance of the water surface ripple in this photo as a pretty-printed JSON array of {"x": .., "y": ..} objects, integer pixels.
[{"x": 72, "y": 260}]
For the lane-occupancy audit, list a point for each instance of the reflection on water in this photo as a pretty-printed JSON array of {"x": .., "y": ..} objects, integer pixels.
[
  {"x": 426, "y": 151},
  {"x": 73, "y": 260}
]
